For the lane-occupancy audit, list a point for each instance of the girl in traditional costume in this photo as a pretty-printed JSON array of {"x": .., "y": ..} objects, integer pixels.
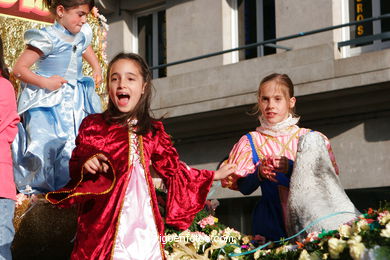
[
  {"x": 111, "y": 174},
  {"x": 8, "y": 128},
  {"x": 265, "y": 157},
  {"x": 55, "y": 97}
]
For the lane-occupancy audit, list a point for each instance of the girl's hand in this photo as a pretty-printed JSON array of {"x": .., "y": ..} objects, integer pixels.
[
  {"x": 271, "y": 165},
  {"x": 97, "y": 77},
  {"x": 224, "y": 171},
  {"x": 267, "y": 172},
  {"x": 96, "y": 164},
  {"x": 53, "y": 82},
  {"x": 280, "y": 164}
]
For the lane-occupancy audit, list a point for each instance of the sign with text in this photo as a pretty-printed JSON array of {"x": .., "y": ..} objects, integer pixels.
[
  {"x": 363, "y": 10},
  {"x": 28, "y": 9}
]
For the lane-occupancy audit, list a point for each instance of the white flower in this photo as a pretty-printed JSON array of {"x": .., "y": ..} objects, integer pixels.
[
  {"x": 237, "y": 250},
  {"x": 360, "y": 226},
  {"x": 214, "y": 233},
  {"x": 304, "y": 255},
  {"x": 354, "y": 240},
  {"x": 356, "y": 250},
  {"x": 336, "y": 246},
  {"x": 260, "y": 253},
  {"x": 384, "y": 217},
  {"x": 386, "y": 232},
  {"x": 345, "y": 230},
  {"x": 282, "y": 249},
  {"x": 230, "y": 232},
  {"x": 256, "y": 255},
  {"x": 218, "y": 242}
]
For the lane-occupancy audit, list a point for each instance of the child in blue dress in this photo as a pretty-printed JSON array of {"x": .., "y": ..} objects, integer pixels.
[{"x": 55, "y": 97}]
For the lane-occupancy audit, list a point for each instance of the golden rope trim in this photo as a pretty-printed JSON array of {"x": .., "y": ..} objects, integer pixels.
[
  {"x": 81, "y": 179},
  {"x": 268, "y": 137},
  {"x": 284, "y": 146}
]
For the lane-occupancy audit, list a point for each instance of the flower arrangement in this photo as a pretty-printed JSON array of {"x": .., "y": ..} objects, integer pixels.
[{"x": 367, "y": 237}]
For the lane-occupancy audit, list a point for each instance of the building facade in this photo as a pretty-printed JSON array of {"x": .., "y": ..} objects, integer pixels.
[{"x": 341, "y": 77}]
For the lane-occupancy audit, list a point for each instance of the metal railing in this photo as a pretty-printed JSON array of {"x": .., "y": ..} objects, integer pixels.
[{"x": 273, "y": 41}]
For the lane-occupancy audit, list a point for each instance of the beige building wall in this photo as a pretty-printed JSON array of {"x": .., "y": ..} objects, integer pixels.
[
  {"x": 194, "y": 28},
  {"x": 205, "y": 102}
]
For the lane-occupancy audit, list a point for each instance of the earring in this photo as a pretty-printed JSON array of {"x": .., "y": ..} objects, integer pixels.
[{"x": 60, "y": 15}]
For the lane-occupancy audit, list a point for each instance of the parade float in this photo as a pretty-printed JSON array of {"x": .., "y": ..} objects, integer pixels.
[{"x": 47, "y": 232}]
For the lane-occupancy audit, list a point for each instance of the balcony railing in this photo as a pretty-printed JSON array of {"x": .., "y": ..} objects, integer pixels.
[{"x": 272, "y": 42}]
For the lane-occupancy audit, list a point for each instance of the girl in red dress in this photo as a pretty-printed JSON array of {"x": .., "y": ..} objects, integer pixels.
[{"x": 110, "y": 173}]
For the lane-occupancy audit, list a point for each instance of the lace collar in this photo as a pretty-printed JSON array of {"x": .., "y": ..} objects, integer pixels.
[{"x": 282, "y": 128}]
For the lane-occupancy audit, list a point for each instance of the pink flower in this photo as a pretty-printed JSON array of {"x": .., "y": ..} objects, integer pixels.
[
  {"x": 95, "y": 11},
  {"x": 206, "y": 221},
  {"x": 384, "y": 217},
  {"x": 20, "y": 197},
  {"x": 311, "y": 237}
]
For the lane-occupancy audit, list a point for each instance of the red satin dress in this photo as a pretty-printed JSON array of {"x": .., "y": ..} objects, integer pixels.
[{"x": 105, "y": 198}]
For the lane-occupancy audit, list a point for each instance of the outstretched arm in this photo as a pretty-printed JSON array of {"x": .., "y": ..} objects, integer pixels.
[
  {"x": 22, "y": 70},
  {"x": 224, "y": 171},
  {"x": 90, "y": 56}
]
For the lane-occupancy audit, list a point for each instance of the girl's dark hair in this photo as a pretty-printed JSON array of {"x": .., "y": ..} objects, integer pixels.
[
  {"x": 67, "y": 4},
  {"x": 3, "y": 68},
  {"x": 281, "y": 80},
  {"x": 141, "y": 111}
]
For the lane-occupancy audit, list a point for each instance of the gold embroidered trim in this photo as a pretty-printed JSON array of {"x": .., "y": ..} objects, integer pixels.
[
  {"x": 129, "y": 163},
  {"x": 81, "y": 179}
]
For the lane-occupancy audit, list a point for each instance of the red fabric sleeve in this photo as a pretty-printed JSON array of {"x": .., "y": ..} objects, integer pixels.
[
  {"x": 187, "y": 187},
  {"x": 82, "y": 185}
]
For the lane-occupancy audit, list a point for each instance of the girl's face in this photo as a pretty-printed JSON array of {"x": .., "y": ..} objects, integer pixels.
[
  {"x": 125, "y": 85},
  {"x": 74, "y": 18},
  {"x": 274, "y": 102}
]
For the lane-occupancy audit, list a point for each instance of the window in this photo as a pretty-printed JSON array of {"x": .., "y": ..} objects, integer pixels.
[
  {"x": 150, "y": 33},
  {"x": 256, "y": 23},
  {"x": 372, "y": 35}
]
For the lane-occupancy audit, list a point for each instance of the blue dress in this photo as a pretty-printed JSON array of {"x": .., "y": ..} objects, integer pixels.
[
  {"x": 50, "y": 119},
  {"x": 268, "y": 213}
]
